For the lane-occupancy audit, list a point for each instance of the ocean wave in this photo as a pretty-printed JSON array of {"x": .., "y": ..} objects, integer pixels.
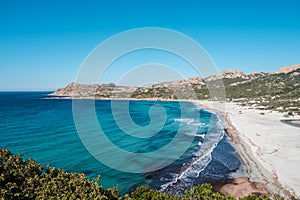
[
  {"x": 185, "y": 120},
  {"x": 192, "y": 122},
  {"x": 193, "y": 134},
  {"x": 201, "y": 158}
]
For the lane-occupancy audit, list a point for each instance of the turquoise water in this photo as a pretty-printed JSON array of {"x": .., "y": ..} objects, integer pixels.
[{"x": 43, "y": 128}]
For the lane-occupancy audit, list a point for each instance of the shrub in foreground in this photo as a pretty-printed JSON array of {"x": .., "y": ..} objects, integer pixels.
[{"x": 26, "y": 179}]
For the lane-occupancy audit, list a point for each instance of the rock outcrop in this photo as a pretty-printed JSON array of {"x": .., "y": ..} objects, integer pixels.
[
  {"x": 241, "y": 187},
  {"x": 76, "y": 90},
  {"x": 278, "y": 90},
  {"x": 230, "y": 73},
  {"x": 287, "y": 69}
]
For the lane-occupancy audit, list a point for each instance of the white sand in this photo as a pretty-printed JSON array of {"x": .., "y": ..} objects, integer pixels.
[{"x": 272, "y": 147}]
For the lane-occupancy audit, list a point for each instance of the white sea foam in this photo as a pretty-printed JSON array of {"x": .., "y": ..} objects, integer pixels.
[
  {"x": 202, "y": 135},
  {"x": 192, "y": 169},
  {"x": 185, "y": 120}
]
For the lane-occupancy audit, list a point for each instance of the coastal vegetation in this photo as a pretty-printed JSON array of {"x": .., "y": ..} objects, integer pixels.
[
  {"x": 26, "y": 179},
  {"x": 277, "y": 91}
]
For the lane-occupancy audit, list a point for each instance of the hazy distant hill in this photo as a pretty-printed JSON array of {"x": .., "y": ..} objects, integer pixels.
[{"x": 277, "y": 90}]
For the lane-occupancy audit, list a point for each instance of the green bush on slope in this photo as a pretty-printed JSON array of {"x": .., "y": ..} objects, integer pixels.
[{"x": 26, "y": 179}]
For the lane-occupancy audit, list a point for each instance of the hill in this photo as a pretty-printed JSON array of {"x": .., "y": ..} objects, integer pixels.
[{"x": 278, "y": 90}]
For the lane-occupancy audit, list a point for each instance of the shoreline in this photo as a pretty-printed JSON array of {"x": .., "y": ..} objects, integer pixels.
[
  {"x": 255, "y": 149},
  {"x": 263, "y": 154}
]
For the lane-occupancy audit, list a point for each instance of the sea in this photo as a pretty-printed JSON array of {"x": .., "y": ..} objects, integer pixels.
[{"x": 43, "y": 128}]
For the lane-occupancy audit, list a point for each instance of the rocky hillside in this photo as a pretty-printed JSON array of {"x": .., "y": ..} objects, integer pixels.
[
  {"x": 99, "y": 91},
  {"x": 278, "y": 90}
]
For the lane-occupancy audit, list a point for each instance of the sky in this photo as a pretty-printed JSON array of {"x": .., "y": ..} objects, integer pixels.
[{"x": 43, "y": 43}]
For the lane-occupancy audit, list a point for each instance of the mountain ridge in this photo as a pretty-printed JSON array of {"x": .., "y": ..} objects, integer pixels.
[{"x": 277, "y": 90}]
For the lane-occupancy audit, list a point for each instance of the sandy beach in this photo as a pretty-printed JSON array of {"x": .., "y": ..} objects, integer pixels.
[
  {"x": 268, "y": 145},
  {"x": 269, "y": 148}
]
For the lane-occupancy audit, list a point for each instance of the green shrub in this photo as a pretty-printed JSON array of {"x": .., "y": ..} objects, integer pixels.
[
  {"x": 254, "y": 197},
  {"x": 26, "y": 179}
]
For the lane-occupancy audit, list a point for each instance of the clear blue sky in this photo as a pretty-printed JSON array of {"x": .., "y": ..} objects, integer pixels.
[{"x": 43, "y": 43}]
